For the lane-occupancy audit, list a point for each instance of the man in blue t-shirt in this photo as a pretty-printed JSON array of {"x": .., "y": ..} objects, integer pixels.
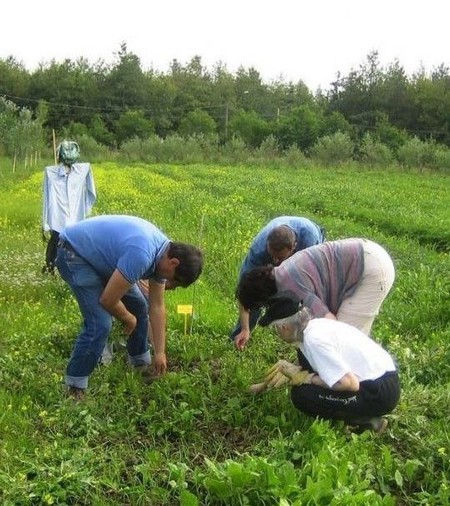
[
  {"x": 278, "y": 240},
  {"x": 102, "y": 259}
]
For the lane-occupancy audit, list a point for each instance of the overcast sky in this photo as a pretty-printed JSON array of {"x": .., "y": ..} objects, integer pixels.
[{"x": 309, "y": 40}]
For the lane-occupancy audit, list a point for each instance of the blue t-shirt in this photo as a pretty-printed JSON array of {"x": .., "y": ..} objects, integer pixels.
[
  {"x": 132, "y": 245},
  {"x": 307, "y": 234}
]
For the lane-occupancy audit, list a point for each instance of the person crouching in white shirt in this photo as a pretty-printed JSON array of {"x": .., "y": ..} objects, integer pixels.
[{"x": 342, "y": 374}]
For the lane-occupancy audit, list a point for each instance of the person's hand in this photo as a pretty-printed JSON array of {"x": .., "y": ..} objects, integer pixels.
[
  {"x": 257, "y": 388},
  {"x": 129, "y": 324},
  {"x": 241, "y": 339},
  {"x": 274, "y": 377},
  {"x": 295, "y": 374},
  {"x": 159, "y": 364},
  {"x": 278, "y": 380},
  {"x": 292, "y": 374}
]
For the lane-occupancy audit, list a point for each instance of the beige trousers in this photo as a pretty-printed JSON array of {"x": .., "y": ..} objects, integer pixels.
[{"x": 377, "y": 279}]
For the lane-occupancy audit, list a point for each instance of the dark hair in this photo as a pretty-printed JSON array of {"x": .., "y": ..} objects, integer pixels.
[
  {"x": 281, "y": 305},
  {"x": 191, "y": 262},
  {"x": 256, "y": 287},
  {"x": 281, "y": 237}
]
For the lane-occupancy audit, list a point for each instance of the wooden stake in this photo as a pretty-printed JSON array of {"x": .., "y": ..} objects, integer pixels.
[{"x": 54, "y": 146}]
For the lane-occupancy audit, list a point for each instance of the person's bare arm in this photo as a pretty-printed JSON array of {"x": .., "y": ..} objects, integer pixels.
[
  {"x": 110, "y": 299},
  {"x": 348, "y": 383},
  {"x": 157, "y": 310},
  {"x": 244, "y": 335}
]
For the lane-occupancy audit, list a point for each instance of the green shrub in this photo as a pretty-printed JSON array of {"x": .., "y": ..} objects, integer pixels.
[
  {"x": 374, "y": 152},
  {"x": 196, "y": 123},
  {"x": 74, "y": 130},
  {"x": 268, "y": 150},
  {"x": 208, "y": 144},
  {"x": 294, "y": 156},
  {"x": 332, "y": 149},
  {"x": 148, "y": 150},
  {"x": 235, "y": 150},
  {"x": 176, "y": 149},
  {"x": 133, "y": 124},
  {"x": 390, "y": 135},
  {"x": 417, "y": 154},
  {"x": 250, "y": 127},
  {"x": 301, "y": 127},
  {"x": 442, "y": 155},
  {"x": 91, "y": 150}
]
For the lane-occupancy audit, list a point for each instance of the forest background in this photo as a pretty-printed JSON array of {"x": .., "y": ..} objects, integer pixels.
[{"x": 375, "y": 115}]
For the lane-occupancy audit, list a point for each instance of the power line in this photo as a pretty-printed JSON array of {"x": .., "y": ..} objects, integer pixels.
[
  {"x": 99, "y": 109},
  {"x": 226, "y": 108}
]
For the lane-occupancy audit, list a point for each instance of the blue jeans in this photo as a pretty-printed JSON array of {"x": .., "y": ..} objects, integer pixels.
[
  {"x": 252, "y": 321},
  {"x": 87, "y": 286}
]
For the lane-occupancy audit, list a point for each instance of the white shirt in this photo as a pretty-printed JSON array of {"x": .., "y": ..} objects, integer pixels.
[
  {"x": 334, "y": 348},
  {"x": 69, "y": 194}
]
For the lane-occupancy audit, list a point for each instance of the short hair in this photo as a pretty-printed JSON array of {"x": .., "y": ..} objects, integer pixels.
[
  {"x": 191, "y": 262},
  {"x": 297, "y": 321},
  {"x": 256, "y": 287},
  {"x": 293, "y": 319},
  {"x": 281, "y": 237}
]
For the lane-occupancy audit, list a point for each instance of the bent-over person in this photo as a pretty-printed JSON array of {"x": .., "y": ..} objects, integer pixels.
[
  {"x": 346, "y": 280},
  {"x": 102, "y": 259},
  {"x": 278, "y": 240},
  {"x": 342, "y": 374}
]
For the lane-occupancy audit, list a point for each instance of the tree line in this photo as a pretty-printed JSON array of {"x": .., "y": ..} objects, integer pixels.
[{"x": 115, "y": 103}]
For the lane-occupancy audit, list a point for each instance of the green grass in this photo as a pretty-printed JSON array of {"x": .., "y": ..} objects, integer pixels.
[{"x": 195, "y": 436}]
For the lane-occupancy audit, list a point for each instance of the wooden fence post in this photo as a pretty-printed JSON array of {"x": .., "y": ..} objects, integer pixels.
[{"x": 54, "y": 146}]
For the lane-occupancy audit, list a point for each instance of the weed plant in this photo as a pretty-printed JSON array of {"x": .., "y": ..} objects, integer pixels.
[{"x": 195, "y": 437}]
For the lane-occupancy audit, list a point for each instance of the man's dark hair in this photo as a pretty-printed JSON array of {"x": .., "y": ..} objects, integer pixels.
[
  {"x": 281, "y": 237},
  {"x": 256, "y": 287},
  {"x": 191, "y": 262}
]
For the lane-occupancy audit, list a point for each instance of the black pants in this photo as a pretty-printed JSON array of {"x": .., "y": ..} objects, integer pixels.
[
  {"x": 374, "y": 397},
  {"x": 50, "y": 252}
]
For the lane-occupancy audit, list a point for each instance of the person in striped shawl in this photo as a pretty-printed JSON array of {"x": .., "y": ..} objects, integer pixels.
[{"x": 346, "y": 280}]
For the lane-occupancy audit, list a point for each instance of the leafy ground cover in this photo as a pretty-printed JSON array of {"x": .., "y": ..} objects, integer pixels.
[{"x": 195, "y": 436}]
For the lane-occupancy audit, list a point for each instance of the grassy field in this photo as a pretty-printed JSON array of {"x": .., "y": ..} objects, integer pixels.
[{"x": 195, "y": 437}]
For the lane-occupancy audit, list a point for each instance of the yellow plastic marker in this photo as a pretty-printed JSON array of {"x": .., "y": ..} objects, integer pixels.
[{"x": 185, "y": 309}]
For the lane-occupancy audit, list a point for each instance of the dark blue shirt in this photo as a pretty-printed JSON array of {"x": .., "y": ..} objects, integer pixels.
[{"x": 307, "y": 234}]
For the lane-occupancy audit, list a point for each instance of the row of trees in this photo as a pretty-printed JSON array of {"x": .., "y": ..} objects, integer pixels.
[{"x": 115, "y": 103}]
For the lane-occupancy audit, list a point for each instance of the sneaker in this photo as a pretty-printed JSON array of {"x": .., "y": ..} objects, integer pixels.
[{"x": 377, "y": 424}]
